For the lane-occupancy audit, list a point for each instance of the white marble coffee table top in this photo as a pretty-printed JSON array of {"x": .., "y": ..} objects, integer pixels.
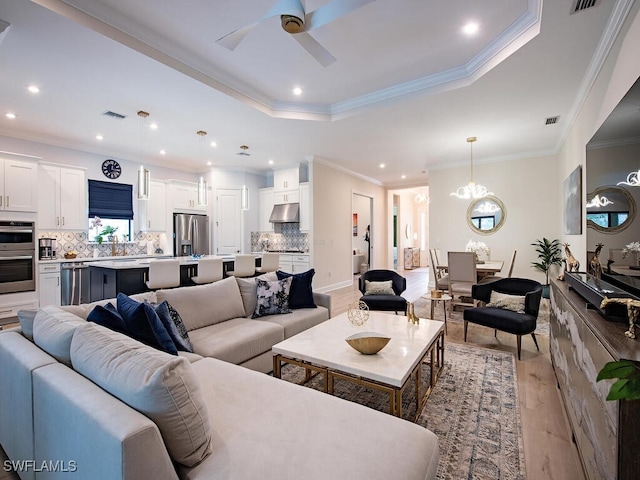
[{"x": 324, "y": 345}]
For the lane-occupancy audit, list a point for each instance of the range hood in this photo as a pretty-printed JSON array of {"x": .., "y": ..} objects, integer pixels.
[{"x": 285, "y": 213}]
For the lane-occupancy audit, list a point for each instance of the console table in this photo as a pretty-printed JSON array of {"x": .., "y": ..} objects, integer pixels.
[{"x": 581, "y": 341}]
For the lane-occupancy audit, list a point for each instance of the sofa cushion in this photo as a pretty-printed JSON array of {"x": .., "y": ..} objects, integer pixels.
[
  {"x": 236, "y": 340},
  {"x": 53, "y": 330},
  {"x": 108, "y": 316},
  {"x": 272, "y": 297},
  {"x": 26, "y": 318},
  {"x": 144, "y": 325},
  {"x": 301, "y": 293},
  {"x": 161, "y": 386},
  {"x": 172, "y": 322},
  {"x": 204, "y": 305},
  {"x": 299, "y": 320}
]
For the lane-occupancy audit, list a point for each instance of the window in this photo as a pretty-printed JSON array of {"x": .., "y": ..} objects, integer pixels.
[
  {"x": 608, "y": 219},
  {"x": 113, "y": 203}
]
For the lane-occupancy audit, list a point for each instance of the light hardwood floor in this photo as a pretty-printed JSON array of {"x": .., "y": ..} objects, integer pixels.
[{"x": 549, "y": 452}]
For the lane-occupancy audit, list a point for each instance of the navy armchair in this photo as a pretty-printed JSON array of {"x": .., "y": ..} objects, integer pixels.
[
  {"x": 389, "y": 302},
  {"x": 504, "y": 319}
]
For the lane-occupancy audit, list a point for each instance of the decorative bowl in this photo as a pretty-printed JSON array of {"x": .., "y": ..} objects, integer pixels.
[
  {"x": 436, "y": 293},
  {"x": 367, "y": 343},
  {"x": 70, "y": 255}
]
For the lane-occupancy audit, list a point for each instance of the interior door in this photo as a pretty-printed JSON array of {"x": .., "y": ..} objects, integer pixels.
[{"x": 228, "y": 221}]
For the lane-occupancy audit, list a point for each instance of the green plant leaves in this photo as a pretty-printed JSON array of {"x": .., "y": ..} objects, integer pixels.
[{"x": 628, "y": 385}]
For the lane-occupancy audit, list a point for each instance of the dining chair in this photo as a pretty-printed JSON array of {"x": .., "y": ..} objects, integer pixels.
[
  {"x": 441, "y": 278},
  {"x": 269, "y": 263},
  {"x": 163, "y": 274},
  {"x": 209, "y": 270},
  {"x": 493, "y": 278},
  {"x": 462, "y": 277},
  {"x": 243, "y": 266},
  {"x": 436, "y": 253}
]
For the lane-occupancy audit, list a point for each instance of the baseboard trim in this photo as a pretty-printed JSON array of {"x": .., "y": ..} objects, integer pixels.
[{"x": 334, "y": 286}]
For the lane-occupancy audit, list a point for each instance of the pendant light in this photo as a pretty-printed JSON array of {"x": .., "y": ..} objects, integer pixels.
[
  {"x": 143, "y": 173},
  {"x": 472, "y": 189},
  {"x": 202, "y": 183},
  {"x": 244, "y": 191}
]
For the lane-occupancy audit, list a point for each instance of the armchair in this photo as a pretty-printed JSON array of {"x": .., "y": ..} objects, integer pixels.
[
  {"x": 520, "y": 322},
  {"x": 390, "y": 301}
]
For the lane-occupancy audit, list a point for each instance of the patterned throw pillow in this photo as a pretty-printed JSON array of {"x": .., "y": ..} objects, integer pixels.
[
  {"x": 182, "y": 330},
  {"x": 172, "y": 321},
  {"x": 378, "y": 288},
  {"x": 507, "y": 302},
  {"x": 273, "y": 297}
]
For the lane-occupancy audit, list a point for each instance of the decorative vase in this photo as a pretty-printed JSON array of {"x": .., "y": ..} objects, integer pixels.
[{"x": 358, "y": 313}]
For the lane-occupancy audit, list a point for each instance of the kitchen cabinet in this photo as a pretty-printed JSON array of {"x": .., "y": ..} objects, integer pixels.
[
  {"x": 18, "y": 185},
  {"x": 285, "y": 179},
  {"x": 305, "y": 207},
  {"x": 265, "y": 198},
  {"x": 286, "y": 197},
  {"x": 294, "y": 263},
  {"x": 153, "y": 212},
  {"x": 62, "y": 196},
  {"x": 184, "y": 196},
  {"x": 49, "y": 291}
]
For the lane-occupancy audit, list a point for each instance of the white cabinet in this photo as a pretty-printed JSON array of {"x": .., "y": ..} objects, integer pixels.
[
  {"x": 265, "y": 197},
  {"x": 184, "y": 196},
  {"x": 153, "y": 212},
  {"x": 305, "y": 207},
  {"x": 286, "y": 179},
  {"x": 11, "y": 310},
  {"x": 18, "y": 185},
  {"x": 294, "y": 263},
  {"x": 49, "y": 284},
  {"x": 286, "y": 197},
  {"x": 62, "y": 198}
]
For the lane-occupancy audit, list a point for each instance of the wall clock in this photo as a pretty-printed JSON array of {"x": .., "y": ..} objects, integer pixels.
[{"x": 111, "y": 169}]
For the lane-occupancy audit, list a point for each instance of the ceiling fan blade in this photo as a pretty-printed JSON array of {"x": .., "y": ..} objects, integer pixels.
[
  {"x": 283, "y": 7},
  {"x": 331, "y": 11},
  {"x": 316, "y": 50}
]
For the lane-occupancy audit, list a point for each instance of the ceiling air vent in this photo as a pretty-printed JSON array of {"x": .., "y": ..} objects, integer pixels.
[
  {"x": 580, "y": 5},
  {"x": 552, "y": 120},
  {"x": 117, "y": 116}
]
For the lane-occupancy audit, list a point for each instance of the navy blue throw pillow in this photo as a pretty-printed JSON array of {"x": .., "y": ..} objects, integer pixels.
[
  {"x": 144, "y": 325},
  {"x": 108, "y": 316},
  {"x": 301, "y": 293},
  {"x": 166, "y": 315}
]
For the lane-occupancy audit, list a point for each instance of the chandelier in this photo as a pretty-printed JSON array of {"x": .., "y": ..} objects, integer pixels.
[
  {"x": 202, "y": 183},
  {"x": 143, "y": 173},
  {"x": 633, "y": 179},
  {"x": 472, "y": 189}
]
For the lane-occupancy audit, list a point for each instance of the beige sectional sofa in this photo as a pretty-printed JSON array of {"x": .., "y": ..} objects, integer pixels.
[{"x": 82, "y": 401}]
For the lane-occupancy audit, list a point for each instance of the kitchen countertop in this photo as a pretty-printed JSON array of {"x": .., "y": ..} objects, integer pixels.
[
  {"x": 102, "y": 259},
  {"x": 124, "y": 263}
]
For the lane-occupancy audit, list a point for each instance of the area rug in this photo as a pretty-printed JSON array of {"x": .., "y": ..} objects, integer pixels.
[
  {"x": 473, "y": 410},
  {"x": 422, "y": 308}
]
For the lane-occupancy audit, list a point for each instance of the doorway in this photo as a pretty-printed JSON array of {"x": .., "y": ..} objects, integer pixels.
[{"x": 228, "y": 231}]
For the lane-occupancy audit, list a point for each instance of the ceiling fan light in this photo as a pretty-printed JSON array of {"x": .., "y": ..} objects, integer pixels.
[{"x": 291, "y": 23}]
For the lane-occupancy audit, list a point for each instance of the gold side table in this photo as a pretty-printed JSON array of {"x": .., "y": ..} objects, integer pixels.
[{"x": 444, "y": 298}]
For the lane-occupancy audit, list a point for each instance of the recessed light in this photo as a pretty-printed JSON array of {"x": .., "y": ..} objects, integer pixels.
[
  {"x": 209, "y": 163},
  {"x": 470, "y": 28},
  {"x": 33, "y": 89},
  {"x": 11, "y": 115},
  {"x": 163, "y": 152},
  {"x": 270, "y": 162},
  {"x": 403, "y": 177},
  {"x": 214, "y": 144},
  {"x": 382, "y": 165},
  {"x": 153, "y": 126},
  {"x": 99, "y": 137},
  {"x": 297, "y": 91}
]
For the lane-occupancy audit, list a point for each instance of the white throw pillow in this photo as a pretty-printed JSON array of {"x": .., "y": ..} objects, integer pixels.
[
  {"x": 506, "y": 301},
  {"x": 378, "y": 288},
  {"x": 53, "y": 330},
  {"x": 161, "y": 386}
]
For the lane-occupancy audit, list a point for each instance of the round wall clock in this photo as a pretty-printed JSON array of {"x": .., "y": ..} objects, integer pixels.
[{"x": 111, "y": 168}]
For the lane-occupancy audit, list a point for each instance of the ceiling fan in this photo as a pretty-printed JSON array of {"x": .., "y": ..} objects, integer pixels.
[{"x": 298, "y": 23}]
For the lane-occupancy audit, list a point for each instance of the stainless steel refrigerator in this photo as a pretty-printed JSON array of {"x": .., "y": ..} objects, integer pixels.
[{"x": 190, "y": 234}]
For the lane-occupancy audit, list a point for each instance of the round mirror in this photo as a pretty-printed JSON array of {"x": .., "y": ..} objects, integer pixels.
[
  {"x": 610, "y": 209},
  {"x": 486, "y": 215}
]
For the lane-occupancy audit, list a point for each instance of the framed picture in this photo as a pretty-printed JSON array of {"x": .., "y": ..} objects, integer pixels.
[
  {"x": 355, "y": 224},
  {"x": 572, "y": 194}
]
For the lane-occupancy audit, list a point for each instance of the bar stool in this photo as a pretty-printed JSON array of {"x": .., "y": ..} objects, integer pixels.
[
  {"x": 209, "y": 270},
  {"x": 163, "y": 274},
  {"x": 243, "y": 266},
  {"x": 270, "y": 263}
]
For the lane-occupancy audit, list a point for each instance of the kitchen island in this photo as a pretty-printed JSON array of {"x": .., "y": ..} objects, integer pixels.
[{"x": 128, "y": 276}]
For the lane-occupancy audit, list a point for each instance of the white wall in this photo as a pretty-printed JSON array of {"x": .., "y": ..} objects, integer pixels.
[{"x": 527, "y": 189}]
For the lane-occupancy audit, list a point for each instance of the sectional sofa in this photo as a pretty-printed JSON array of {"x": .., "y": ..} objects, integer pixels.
[{"x": 82, "y": 401}]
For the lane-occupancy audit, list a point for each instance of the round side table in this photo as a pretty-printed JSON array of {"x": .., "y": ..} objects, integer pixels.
[{"x": 444, "y": 298}]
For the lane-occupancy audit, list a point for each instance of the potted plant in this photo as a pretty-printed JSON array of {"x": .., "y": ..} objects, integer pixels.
[
  {"x": 108, "y": 230},
  {"x": 549, "y": 253}
]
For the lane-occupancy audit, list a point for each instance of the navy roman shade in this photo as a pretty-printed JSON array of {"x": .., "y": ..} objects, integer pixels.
[{"x": 110, "y": 200}]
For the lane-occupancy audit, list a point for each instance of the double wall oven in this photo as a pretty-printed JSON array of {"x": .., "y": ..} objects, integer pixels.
[{"x": 17, "y": 257}]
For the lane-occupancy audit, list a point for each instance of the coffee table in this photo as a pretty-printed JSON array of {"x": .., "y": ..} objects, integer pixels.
[{"x": 323, "y": 349}]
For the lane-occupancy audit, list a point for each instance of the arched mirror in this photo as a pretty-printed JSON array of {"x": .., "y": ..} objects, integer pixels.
[
  {"x": 610, "y": 209},
  {"x": 486, "y": 215}
]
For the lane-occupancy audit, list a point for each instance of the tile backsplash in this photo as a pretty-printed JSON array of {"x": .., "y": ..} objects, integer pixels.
[
  {"x": 290, "y": 238},
  {"x": 67, "y": 241}
]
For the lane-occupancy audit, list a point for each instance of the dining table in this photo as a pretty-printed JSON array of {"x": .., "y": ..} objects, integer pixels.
[{"x": 484, "y": 269}]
